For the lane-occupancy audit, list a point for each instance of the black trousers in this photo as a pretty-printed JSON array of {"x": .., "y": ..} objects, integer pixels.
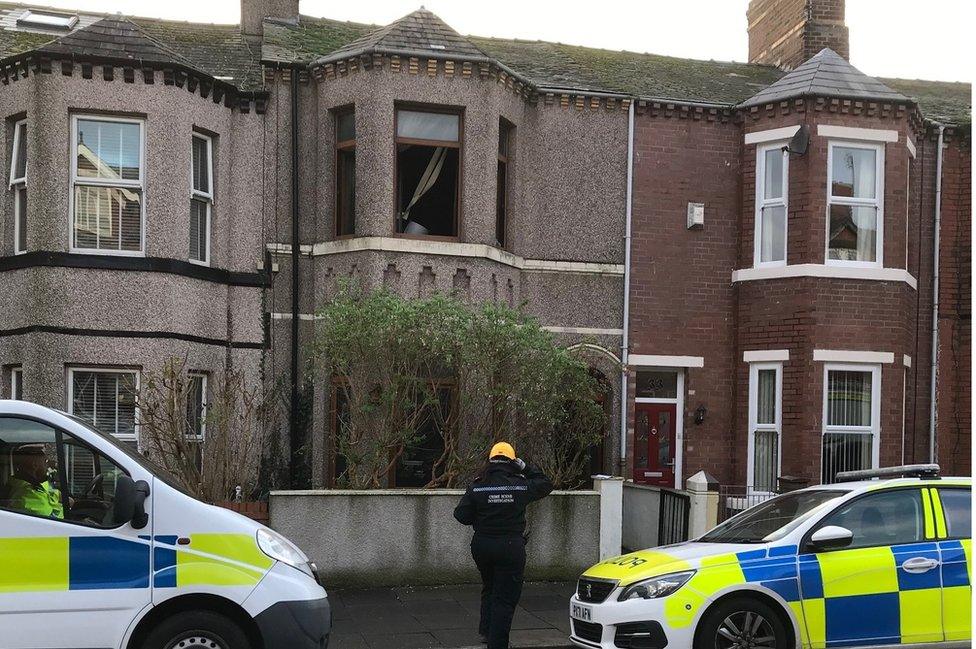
[{"x": 501, "y": 562}]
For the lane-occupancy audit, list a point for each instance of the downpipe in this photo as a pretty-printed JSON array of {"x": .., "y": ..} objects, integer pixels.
[
  {"x": 625, "y": 342},
  {"x": 933, "y": 420}
]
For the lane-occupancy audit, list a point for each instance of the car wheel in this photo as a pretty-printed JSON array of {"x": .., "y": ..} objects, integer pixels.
[
  {"x": 197, "y": 630},
  {"x": 742, "y": 623}
]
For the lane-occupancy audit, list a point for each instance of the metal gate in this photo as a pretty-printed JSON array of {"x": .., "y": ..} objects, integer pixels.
[{"x": 672, "y": 526}]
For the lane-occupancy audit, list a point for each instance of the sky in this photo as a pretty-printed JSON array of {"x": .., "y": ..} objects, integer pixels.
[{"x": 927, "y": 39}]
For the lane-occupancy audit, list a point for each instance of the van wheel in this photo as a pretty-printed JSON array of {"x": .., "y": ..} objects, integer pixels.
[
  {"x": 742, "y": 623},
  {"x": 197, "y": 630}
]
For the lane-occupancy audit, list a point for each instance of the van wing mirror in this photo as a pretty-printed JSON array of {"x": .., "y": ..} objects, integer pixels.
[
  {"x": 130, "y": 502},
  {"x": 831, "y": 537}
]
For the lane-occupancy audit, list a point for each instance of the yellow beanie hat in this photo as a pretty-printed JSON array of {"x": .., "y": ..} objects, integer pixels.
[{"x": 502, "y": 448}]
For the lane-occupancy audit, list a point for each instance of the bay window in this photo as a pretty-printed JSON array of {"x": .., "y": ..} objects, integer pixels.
[
  {"x": 107, "y": 179},
  {"x": 428, "y": 154},
  {"x": 772, "y": 185},
  {"x": 345, "y": 178},
  {"x": 852, "y": 410},
  {"x": 765, "y": 425},
  {"x": 201, "y": 198},
  {"x": 855, "y": 203},
  {"x": 18, "y": 184},
  {"x": 105, "y": 398}
]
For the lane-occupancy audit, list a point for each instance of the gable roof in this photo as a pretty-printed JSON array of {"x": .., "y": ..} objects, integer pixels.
[
  {"x": 826, "y": 74},
  {"x": 419, "y": 32}
]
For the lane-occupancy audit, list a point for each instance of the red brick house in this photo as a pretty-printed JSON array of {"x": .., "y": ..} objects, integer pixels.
[{"x": 791, "y": 323}]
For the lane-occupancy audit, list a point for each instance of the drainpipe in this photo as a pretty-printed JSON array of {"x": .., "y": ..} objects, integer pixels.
[
  {"x": 294, "y": 433},
  {"x": 625, "y": 344},
  {"x": 935, "y": 294}
]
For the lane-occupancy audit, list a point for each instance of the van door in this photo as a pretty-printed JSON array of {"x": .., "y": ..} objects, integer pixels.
[
  {"x": 957, "y": 560},
  {"x": 67, "y": 570}
]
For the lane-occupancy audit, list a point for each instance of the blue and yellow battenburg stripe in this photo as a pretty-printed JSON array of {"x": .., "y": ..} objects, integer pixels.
[{"x": 109, "y": 562}]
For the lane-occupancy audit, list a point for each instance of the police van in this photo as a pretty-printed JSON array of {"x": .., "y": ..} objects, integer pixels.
[
  {"x": 863, "y": 562},
  {"x": 99, "y": 549}
]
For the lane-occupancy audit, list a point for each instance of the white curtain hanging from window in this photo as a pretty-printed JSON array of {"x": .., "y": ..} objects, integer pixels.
[
  {"x": 427, "y": 180},
  {"x": 865, "y": 217}
]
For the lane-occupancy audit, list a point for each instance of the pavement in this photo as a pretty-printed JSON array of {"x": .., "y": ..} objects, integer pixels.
[{"x": 444, "y": 617}]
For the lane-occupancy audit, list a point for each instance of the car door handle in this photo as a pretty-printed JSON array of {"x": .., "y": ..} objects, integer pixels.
[{"x": 919, "y": 564}]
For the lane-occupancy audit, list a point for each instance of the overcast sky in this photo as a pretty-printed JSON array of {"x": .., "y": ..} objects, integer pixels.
[{"x": 928, "y": 39}]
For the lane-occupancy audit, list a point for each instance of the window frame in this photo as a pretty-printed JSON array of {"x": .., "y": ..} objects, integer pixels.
[
  {"x": 18, "y": 182},
  {"x": 506, "y": 131},
  {"x": 877, "y": 202},
  {"x": 874, "y": 429},
  {"x": 204, "y": 377},
  {"x": 135, "y": 436},
  {"x": 762, "y": 202},
  {"x": 459, "y": 145},
  {"x": 941, "y": 489},
  {"x": 340, "y": 147},
  {"x": 755, "y": 426},
  {"x": 804, "y": 545},
  {"x": 17, "y": 382},
  {"x": 139, "y": 184},
  {"x": 206, "y": 197}
]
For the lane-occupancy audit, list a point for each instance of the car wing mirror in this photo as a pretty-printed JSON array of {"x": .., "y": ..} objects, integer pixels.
[
  {"x": 130, "y": 502},
  {"x": 831, "y": 537}
]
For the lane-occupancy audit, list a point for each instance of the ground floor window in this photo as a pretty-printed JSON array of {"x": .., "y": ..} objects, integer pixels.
[
  {"x": 106, "y": 398},
  {"x": 765, "y": 425},
  {"x": 16, "y": 383},
  {"x": 852, "y": 409}
]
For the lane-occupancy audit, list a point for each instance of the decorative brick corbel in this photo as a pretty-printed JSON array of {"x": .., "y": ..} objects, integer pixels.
[
  {"x": 86, "y": 70},
  {"x": 67, "y": 68},
  {"x": 206, "y": 85},
  {"x": 128, "y": 75},
  {"x": 148, "y": 76},
  {"x": 431, "y": 67},
  {"x": 192, "y": 82},
  {"x": 168, "y": 77}
]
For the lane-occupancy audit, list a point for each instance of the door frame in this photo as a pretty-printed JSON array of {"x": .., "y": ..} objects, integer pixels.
[
  {"x": 679, "y": 423},
  {"x": 777, "y": 427}
]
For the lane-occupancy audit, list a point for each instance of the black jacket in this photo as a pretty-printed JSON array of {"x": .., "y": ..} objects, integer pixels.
[{"x": 495, "y": 502}]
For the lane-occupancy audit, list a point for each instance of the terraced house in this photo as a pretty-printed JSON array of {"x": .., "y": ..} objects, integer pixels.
[{"x": 766, "y": 261}]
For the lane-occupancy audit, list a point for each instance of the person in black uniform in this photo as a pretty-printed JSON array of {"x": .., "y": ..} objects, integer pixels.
[{"x": 495, "y": 505}]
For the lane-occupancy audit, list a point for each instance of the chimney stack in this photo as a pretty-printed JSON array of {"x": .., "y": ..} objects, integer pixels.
[
  {"x": 785, "y": 33},
  {"x": 253, "y": 13}
]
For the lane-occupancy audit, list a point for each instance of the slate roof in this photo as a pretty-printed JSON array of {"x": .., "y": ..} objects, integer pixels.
[
  {"x": 941, "y": 101},
  {"x": 116, "y": 38},
  {"x": 826, "y": 74}
]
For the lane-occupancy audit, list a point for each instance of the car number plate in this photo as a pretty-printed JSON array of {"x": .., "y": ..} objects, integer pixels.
[{"x": 583, "y": 613}]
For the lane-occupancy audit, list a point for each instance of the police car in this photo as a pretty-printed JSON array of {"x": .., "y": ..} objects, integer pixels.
[
  {"x": 98, "y": 548},
  {"x": 864, "y": 563}
]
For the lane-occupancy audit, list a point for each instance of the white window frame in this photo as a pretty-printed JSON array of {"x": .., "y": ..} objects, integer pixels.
[
  {"x": 876, "y": 202},
  {"x": 207, "y": 197},
  {"x": 16, "y": 381},
  {"x": 20, "y": 130},
  {"x": 139, "y": 184},
  {"x": 203, "y": 410},
  {"x": 762, "y": 202},
  {"x": 754, "y": 425},
  {"x": 107, "y": 370},
  {"x": 875, "y": 427}
]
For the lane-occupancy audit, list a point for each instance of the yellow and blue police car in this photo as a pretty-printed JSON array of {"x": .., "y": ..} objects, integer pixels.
[
  {"x": 863, "y": 562},
  {"x": 98, "y": 548}
]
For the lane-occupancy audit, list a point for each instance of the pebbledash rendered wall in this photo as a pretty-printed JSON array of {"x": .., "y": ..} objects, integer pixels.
[{"x": 409, "y": 536}]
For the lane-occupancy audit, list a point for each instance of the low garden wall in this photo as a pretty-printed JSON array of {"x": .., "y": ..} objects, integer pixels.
[{"x": 400, "y": 537}]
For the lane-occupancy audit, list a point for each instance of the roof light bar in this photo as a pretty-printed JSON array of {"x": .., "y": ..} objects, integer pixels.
[{"x": 906, "y": 471}]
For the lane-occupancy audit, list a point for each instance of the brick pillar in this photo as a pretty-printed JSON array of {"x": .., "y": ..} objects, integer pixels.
[{"x": 786, "y": 33}]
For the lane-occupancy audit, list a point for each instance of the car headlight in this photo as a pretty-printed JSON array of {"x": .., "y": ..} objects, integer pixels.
[
  {"x": 281, "y": 549},
  {"x": 654, "y": 587}
]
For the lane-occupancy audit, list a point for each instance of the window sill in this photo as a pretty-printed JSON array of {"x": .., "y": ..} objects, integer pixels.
[
  {"x": 427, "y": 237},
  {"x": 829, "y": 271},
  {"x": 112, "y": 253},
  {"x": 197, "y": 262}
]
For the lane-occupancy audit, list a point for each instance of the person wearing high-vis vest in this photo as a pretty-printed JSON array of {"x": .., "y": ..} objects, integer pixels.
[
  {"x": 495, "y": 505},
  {"x": 28, "y": 489}
]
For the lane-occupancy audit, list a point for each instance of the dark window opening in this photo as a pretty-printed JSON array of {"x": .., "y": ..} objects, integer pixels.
[
  {"x": 501, "y": 197},
  {"x": 345, "y": 173},
  {"x": 428, "y": 172}
]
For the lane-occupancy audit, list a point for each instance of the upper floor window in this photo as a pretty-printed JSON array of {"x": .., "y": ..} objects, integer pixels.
[
  {"x": 107, "y": 185},
  {"x": 106, "y": 399},
  {"x": 18, "y": 184},
  {"x": 854, "y": 203},
  {"x": 428, "y": 145},
  {"x": 345, "y": 179},
  {"x": 201, "y": 198},
  {"x": 772, "y": 184},
  {"x": 505, "y": 137}
]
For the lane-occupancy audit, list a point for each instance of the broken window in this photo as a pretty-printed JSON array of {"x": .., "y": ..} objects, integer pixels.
[
  {"x": 345, "y": 173},
  {"x": 501, "y": 196},
  {"x": 428, "y": 170}
]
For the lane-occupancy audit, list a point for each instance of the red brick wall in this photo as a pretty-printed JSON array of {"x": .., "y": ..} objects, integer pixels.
[
  {"x": 954, "y": 411},
  {"x": 788, "y": 32}
]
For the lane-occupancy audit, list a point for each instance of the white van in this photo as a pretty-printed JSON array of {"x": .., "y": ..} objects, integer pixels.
[{"x": 100, "y": 549}]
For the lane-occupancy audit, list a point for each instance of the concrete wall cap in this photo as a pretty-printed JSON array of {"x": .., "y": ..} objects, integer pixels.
[{"x": 702, "y": 481}]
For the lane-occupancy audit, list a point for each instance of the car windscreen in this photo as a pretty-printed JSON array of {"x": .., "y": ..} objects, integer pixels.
[
  {"x": 157, "y": 471},
  {"x": 772, "y": 519}
]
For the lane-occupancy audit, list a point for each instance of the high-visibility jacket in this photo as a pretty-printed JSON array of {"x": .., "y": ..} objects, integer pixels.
[{"x": 42, "y": 499}]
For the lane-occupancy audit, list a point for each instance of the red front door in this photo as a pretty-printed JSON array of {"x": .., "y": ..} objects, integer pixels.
[{"x": 654, "y": 443}]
